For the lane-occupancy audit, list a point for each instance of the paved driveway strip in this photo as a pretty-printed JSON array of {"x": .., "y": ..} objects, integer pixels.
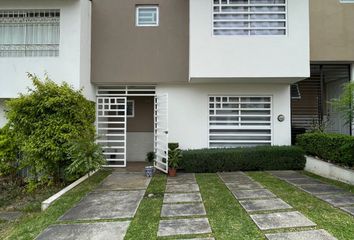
[
  {"x": 257, "y": 198},
  {"x": 334, "y": 196},
  {"x": 117, "y": 197}
]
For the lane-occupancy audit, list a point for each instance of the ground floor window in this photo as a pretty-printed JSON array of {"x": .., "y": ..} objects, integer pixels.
[{"x": 240, "y": 121}]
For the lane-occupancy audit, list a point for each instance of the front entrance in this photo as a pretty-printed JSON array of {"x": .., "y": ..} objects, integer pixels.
[{"x": 132, "y": 121}]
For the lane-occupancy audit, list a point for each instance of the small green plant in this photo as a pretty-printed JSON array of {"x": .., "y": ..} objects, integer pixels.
[
  {"x": 345, "y": 103},
  {"x": 86, "y": 156},
  {"x": 174, "y": 155},
  {"x": 8, "y": 153},
  {"x": 150, "y": 157}
]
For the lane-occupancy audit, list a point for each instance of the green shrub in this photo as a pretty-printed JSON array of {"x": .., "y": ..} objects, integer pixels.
[
  {"x": 9, "y": 151},
  {"x": 86, "y": 156},
  {"x": 336, "y": 148},
  {"x": 243, "y": 159},
  {"x": 43, "y": 122}
]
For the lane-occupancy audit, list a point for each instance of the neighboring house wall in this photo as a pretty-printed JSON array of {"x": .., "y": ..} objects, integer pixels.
[
  {"x": 2, "y": 113},
  {"x": 188, "y": 110},
  {"x": 72, "y": 64},
  {"x": 249, "y": 58},
  {"x": 125, "y": 53},
  {"x": 332, "y": 32}
]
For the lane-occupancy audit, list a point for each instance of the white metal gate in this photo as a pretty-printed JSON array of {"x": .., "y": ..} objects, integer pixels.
[
  {"x": 161, "y": 132},
  {"x": 111, "y": 129}
]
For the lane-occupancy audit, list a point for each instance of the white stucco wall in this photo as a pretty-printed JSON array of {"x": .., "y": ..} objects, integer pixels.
[
  {"x": 71, "y": 66},
  {"x": 188, "y": 110},
  {"x": 264, "y": 58}
]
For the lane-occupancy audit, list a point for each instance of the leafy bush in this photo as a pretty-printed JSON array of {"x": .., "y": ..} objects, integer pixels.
[
  {"x": 86, "y": 156},
  {"x": 43, "y": 122},
  {"x": 336, "y": 148},
  {"x": 9, "y": 151},
  {"x": 243, "y": 159}
]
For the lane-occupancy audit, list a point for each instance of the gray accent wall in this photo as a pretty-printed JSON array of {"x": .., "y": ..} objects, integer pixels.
[{"x": 125, "y": 53}]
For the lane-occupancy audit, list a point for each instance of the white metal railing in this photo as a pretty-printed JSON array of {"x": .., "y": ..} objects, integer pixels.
[
  {"x": 249, "y": 17},
  {"x": 240, "y": 121}
]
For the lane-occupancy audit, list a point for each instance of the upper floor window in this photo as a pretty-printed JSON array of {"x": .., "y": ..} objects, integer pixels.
[
  {"x": 249, "y": 17},
  {"x": 29, "y": 33},
  {"x": 147, "y": 15}
]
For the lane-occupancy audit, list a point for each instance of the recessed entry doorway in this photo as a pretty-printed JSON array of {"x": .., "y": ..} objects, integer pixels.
[{"x": 132, "y": 121}]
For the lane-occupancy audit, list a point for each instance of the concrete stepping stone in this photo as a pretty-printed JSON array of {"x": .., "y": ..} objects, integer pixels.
[
  {"x": 183, "y": 227},
  {"x": 86, "y": 231},
  {"x": 235, "y": 178},
  {"x": 248, "y": 194},
  {"x": 303, "y": 181},
  {"x": 287, "y": 174},
  {"x": 10, "y": 216},
  {"x": 245, "y": 186},
  {"x": 304, "y": 235},
  {"x": 124, "y": 181},
  {"x": 316, "y": 189},
  {"x": 106, "y": 205},
  {"x": 349, "y": 210},
  {"x": 281, "y": 220},
  {"x": 264, "y": 204},
  {"x": 184, "y": 178},
  {"x": 198, "y": 239},
  {"x": 182, "y": 197},
  {"x": 185, "y": 188},
  {"x": 182, "y": 210},
  {"x": 338, "y": 200}
]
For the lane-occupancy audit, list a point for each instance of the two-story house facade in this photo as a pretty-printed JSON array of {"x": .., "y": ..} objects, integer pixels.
[{"x": 203, "y": 73}]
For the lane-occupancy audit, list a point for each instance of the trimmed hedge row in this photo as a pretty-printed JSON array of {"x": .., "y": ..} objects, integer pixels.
[
  {"x": 335, "y": 148},
  {"x": 243, "y": 159}
]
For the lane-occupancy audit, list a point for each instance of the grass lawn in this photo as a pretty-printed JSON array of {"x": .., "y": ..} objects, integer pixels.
[
  {"x": 146, "y": 221},
  {"x": 30, "y": 225},
  {"x": 226, "y": 216},
  {"x": 335, "y": 221}
]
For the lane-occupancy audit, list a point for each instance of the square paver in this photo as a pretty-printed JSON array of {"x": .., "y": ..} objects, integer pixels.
[
  {"x": 229, "y": 178},
  {"x": 256, "y": 193},
  {"x": 106, "y": 205},
  {"x": 303, "y": 235},
  {"x": 349, "y": 210},
  {"x": 10, "y": 216},
  {"x": 182, "y": 197},
  {"x": 250, "y": 185},
  {"x": 264, "y": 204},
  {"x": 321, "y": 189},
  {"x": 86, "y": 231},
  {"x": 303, "y": 181},
  {"x": 338, "y": 200},
  {"x": 183, "y": 227},
  {"x": 281, "y": 220},
  {"x": 124, "y": 181},
  {"x": 181, "y": 210},
  {"x": 287, "y": 174},
  {"x": 185, "y": 188},
  {"x": 182, "y": 178}
]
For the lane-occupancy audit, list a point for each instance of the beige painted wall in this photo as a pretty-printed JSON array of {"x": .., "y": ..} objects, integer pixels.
[
  {"x": 124, "y": 53},
  {"x": 143, "y": 121},
  {"x": 331, "y": 30}
]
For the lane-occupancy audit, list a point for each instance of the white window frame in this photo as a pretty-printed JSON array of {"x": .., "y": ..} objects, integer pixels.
[
  {"x": 271, "y": 127},
  {"x": 249, "y": 35},
  {"x": 346, "y": 1},
  {"x": 133, "y": 109},
  {"x": 138, "y": 7}
]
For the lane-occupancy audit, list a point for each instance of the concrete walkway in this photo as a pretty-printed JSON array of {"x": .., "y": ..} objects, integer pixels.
[
  {"x": 183, "y": 212},
  {"x": 255, "y": 198},
  {"x": 116, "y": 198},
  {"x": 334, "y": 196}
]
